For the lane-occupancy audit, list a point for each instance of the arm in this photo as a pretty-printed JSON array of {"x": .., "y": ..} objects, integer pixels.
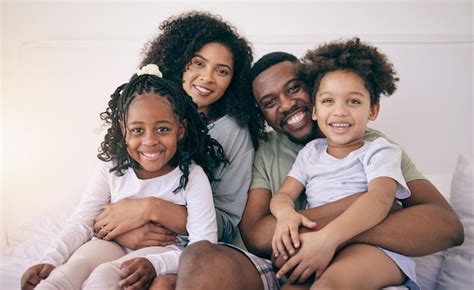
[
  {"x": 258, "y": 224},
  {"x": 282, "y": 206},
  {"x": 427, "y": 219},
  {"x": 128, "y": 214}
]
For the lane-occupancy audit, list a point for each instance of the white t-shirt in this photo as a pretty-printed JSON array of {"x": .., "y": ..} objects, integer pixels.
[
  {"x": 327, "y": 179},
  {"x": 105, "y": 187}
]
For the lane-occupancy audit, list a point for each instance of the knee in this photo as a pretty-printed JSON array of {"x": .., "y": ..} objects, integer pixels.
[
  {"x": 199, "y": 253},
  {"x": 103, "y": 276}
]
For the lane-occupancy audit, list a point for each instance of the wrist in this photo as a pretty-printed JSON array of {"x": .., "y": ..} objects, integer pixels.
[
  {"x": 284, "y": 212},
  {"x": 152, "y": 209}
]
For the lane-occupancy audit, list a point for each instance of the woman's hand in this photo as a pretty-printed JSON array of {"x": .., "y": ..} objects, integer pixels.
[
  {"x": 286, "y": 237},
  {"x": 120, "y": 217},
  {"x": 148, "y": 235},
  {"x": 316, "y": 252},
  {"x": 34, "y": 275},
  {"x": 137, "y": 273}
]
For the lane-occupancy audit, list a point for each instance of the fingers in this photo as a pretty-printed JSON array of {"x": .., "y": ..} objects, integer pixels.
[
  {"x": 136, "y": 273},
  {"x": 45, "y": 271},
  {"x": 34, "y": 275},
  {"x": 107, "y": 233},
  {"x": 308, "y": 223},
  {"x": 290, "y": 264},
  {"x": 296, "y": 274},
  {"x": 305, "y": 275},
  {"x": 295, "y": 240}
]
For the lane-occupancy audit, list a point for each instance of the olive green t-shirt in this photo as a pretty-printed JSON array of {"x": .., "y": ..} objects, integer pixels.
[{"x": 273, "y": 161}]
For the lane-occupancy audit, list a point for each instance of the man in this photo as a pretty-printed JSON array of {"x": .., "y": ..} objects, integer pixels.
[{"x": 427, "y": 223}]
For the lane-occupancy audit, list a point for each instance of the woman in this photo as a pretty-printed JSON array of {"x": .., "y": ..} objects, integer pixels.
[{"x": 212, "y": 61}]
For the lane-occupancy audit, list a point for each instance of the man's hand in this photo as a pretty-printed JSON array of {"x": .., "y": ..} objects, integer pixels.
[
  {"x": 137, "y": 274},
  {"x": 34, "y": 275}
]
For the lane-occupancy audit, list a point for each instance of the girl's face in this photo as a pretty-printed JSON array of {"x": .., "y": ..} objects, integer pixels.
[
  {"x": 152, "y": 132},
  {"x": 342, "y": 109},
  {"x": 208, "y": 75}
]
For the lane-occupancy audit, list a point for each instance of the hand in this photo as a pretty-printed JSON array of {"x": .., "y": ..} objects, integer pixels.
[
  {"x": 137, "y": 273},
  {"x": 286, "y": 236},
  {"x": 148, "y": 235},
  {"x": 34, "y": 275},
  {"x": 316, "y": 252},
  {"x": 120, "y": 217}
]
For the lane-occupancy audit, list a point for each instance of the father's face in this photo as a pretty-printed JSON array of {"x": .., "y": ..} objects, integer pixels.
[{"x": 285, "y": 102}]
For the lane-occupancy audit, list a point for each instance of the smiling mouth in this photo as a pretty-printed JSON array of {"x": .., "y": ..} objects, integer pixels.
[
  {"x": 151, "y": 156},
  {"x": 295, "y": 119},
  {"x": 340, "y": 125},
  {"x": 202, "y": 90}
]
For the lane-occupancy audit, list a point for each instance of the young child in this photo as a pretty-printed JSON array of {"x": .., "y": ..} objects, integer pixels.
[
  {"x": 345, "y": 79},
  {"x": 157, "y": 145}
]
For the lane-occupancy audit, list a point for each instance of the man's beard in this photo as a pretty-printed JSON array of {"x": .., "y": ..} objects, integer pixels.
[{"x": 312, "y": 134}]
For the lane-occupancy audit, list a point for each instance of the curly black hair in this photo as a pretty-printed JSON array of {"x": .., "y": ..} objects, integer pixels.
[
  {"x": 196, "y": 144},
  {"x": 182, "y": 36},
  {"x": 352, "y": 55}
]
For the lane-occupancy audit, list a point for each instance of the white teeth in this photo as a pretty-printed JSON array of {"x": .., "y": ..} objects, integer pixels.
[
  {"x": 340, "y": 125},
  {"x": 295, "y": 119},
  {"x": 202, "y": 90},
  {"x": 151, "y": 155}
]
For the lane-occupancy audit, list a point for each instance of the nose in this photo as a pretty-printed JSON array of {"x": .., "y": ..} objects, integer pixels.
[
  {"x": 339, "y": 109},
  {"x": 150, "y": 139},
  {"x": 206, "y": 74},
  {"x": 286, "y": 103}
]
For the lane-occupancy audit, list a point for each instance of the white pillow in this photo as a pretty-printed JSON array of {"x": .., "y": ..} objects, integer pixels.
[{"x": 457, "y": 269}]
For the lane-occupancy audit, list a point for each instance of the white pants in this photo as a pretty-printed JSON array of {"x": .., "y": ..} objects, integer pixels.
[
  {"x": 107, "y": 275},
  {"x": 82, "y": 262}
]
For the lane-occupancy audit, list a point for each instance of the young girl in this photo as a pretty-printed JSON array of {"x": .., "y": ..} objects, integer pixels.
[
  {"x": 346, "y": 79},
  {"x": 211, "y": 60},
  {"x": 157, "y": 145}
]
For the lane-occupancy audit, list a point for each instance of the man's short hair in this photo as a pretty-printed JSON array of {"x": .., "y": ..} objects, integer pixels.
[{"x": 269, "y": 60}]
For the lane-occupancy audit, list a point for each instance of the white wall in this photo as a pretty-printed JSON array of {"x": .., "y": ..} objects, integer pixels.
[{"x": 61, "y": 61}]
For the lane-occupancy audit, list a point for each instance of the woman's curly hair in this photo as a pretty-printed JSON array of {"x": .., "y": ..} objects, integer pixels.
[
  {"x": 182, "y": 36},
  {"x": 350, "y": 55},
  {"x": 196, "y": 144}
]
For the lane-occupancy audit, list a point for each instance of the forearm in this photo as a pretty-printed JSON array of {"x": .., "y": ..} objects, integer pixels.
[
  {"x": 168, "y": 214},
  {"x": 258, "y": 237},
  {"x": 431, "y": 232}
]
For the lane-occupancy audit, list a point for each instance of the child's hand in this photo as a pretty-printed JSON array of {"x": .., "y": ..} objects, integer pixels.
[
  {"x": 34, "y": 275},
  {"x": 316, "y": 252},
  {"x": 137, "y": 273},
  {"x": 286, "y": 236}
]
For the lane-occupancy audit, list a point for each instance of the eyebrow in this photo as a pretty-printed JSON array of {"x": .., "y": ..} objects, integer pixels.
[
  {"x": 219, "y": 64},
  {"x": 140, "y": 122},
  {"x": 286, "y": 84}
]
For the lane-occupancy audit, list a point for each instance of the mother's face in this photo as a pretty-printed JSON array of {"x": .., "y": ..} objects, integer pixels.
[{"x": 208, "y": 75}]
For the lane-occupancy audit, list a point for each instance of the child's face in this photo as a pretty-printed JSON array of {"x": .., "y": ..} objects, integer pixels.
[
  {"x": 152, "y": 132},
  {"x": 208, "y": 75},
  {"x": 342, "y": 108}
]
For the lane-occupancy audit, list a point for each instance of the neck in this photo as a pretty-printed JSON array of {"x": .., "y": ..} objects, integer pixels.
[{"x": 340, "y": 151}]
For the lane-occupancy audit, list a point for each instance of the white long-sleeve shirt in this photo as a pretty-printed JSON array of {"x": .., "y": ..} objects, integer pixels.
[{"x": 106, "y": 187}]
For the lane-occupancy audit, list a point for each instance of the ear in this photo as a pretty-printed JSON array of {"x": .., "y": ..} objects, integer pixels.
[
  {"x": 374, "y": 111},
  {"x": 182, "y": 129},
  {"x": 314, "y": 116}
]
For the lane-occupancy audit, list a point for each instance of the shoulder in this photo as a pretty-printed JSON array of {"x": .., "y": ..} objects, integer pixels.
[
  {"x": 196, "y": 171},
  {"x": 228, "y": 132},
  {"x": 382, "y": 148}
]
